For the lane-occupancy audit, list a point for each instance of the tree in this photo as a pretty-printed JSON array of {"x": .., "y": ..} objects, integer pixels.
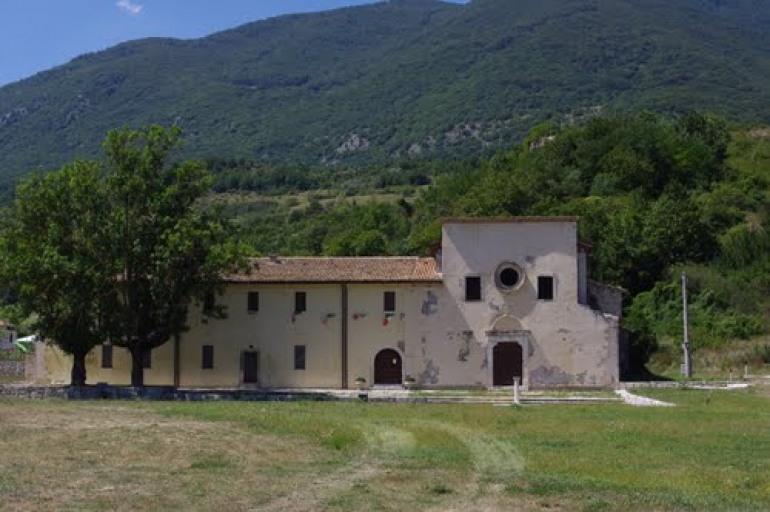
[
  {"x": 168, "y": 252},
  {"x": 117, "y": 253},
  {"x": 51, "y": 255}
]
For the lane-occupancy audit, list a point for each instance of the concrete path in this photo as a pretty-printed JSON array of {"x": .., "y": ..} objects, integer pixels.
[
  {"x": 720, "y": 386},
  {"x": 641, "y": 401}
]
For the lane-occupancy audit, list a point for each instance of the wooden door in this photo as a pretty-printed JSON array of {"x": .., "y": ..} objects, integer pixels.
[
  {"x": 507, "y": 363},
  {"x": 388, "y": 367},
  {"x": 250, "y": 367}
]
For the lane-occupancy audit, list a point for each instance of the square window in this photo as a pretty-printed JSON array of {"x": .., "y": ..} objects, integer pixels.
[
  {"x": 545, "y": 287},
  {"x": 147, "y": 359},
  {"x": 472, "y": 288},
  {"x": 299, "y": 357},
  {"x": 300, "y": 302},
  {"x": 207, "y": 357},
  {"x": 389, "y": 302},
  {"x": 106, "y": 356},
  {"x": 253, "y": 302}
]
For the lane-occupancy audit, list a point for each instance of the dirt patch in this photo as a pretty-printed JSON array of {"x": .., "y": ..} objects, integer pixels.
[
  {"x": 759, "y": 133},
  {"x": 78, "y": 457}
]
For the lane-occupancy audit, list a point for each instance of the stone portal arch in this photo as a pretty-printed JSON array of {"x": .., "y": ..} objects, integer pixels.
[{"x": 506, "y": 323}]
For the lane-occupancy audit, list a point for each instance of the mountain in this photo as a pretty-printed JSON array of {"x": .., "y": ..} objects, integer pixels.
[{"x": 398, "y": 78}]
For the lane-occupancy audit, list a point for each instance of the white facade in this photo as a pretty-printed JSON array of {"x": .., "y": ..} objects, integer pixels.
[{"x": 563, "y": 342}]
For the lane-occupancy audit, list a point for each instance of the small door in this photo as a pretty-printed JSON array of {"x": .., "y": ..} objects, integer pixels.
[
  {"x": 387, "y": 367},
  {"x": 507, "y": 363},
  {"x": 250, "y": 367}
]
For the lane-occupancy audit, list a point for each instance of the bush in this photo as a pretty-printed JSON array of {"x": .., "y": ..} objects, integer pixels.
[{"x": 760, "y": 354}]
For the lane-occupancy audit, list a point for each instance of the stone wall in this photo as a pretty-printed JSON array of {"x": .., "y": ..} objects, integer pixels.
[
  {"x": 12, "y": 368},
  {"x": 605, "y": 298},
  {"x": 104, "y": 391}
]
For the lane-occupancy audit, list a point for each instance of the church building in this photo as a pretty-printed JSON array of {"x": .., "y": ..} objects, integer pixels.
[{"x": 504, "y": 299}]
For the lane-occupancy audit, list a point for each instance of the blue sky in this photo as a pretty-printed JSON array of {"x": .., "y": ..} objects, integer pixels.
[{"x": 39, "y": 34}]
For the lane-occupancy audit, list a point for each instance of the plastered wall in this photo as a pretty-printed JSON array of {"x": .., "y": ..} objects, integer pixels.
[
  {"x": 566, "y": 343},
  {"x": 273, "y": 331},
  {"x": 54, "y": 366}
]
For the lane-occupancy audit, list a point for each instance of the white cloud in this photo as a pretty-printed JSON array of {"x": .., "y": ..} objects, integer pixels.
[{"x": 130, "y": 7}]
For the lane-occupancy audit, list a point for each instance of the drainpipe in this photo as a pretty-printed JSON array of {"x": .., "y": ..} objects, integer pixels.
[
  {"x": 344, "y": 334},
  {"x": 176, "y": 360}
]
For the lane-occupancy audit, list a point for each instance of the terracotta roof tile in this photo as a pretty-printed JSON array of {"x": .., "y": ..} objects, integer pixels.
[
  {"x": 341, "y": 270},
  {"x": 509, "y": 220}
]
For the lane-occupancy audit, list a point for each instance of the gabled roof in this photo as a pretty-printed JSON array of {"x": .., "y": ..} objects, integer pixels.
[{"x": 341, "y": 270}]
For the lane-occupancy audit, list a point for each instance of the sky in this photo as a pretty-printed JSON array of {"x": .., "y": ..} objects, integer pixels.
[{"x": 36, "y": 35}]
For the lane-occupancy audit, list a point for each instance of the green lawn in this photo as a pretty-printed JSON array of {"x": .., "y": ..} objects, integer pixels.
[{"x": 711, "y": 452}]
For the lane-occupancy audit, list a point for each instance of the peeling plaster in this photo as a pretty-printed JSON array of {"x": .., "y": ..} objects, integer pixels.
[
  {"x": 430, "y": 374},
  {"x": 549, "y": 376},
  {"x": 465, "y": 349},
  {"x": 430, "y": 304}
]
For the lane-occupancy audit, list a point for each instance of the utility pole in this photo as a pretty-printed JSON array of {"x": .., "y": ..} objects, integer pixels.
[{"x": 687, "y": 367}]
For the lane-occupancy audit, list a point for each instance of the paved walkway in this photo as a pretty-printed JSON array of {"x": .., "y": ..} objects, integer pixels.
[
  {"x": 641, "y": 401},
  {"x": 377, "y": 394}
]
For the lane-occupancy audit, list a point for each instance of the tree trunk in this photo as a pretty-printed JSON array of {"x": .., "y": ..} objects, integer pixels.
[
  {"x": 78, "y": 375},
  {"x": 137, "y": 370}
]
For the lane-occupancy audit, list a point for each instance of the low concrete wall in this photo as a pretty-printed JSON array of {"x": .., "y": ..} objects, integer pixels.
[{"x": 99, "y": 392}]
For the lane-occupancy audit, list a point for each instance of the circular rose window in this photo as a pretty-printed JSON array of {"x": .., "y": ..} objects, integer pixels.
[{"x": 508, "y": 276}]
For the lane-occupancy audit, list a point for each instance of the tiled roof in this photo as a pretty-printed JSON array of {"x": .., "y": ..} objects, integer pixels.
[
  {"x": 508, "y": 220},
  {"x": 340, "y": 270}
]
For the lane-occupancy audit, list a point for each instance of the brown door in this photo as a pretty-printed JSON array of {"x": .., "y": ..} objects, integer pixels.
[
  {"x": 250, "y": 366},
  {"x": 507, "y": 363},
  {"x": 387, "y": 367}
]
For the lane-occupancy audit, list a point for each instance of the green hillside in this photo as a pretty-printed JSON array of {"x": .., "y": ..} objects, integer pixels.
[
  {"x": 656, "y": 195},
  {"x": 397, "y": 79}
]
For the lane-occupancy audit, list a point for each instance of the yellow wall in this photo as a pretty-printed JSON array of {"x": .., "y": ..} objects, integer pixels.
[
  {"x": 54, "y": 366},
  {"x": 370, "y": 329},
  {"x": 273, "y": 331}
]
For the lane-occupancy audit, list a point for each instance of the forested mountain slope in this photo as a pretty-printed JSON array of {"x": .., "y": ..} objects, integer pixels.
[{"x": 397, "y": 79}]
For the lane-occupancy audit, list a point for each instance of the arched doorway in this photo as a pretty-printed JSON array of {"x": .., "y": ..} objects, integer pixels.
[
  {"x": 507, "y": 363},
  {"x": 387, "y": 367}
]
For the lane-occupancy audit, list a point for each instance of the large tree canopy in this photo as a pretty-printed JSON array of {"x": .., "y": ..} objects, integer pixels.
[
  {"x": 167, "y": 252},
  {"x": 117, "y": 252},
  {"x": 51, "y": 254}
]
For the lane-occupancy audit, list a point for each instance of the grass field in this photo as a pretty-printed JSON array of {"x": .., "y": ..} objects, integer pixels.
[
  {"x": 733, "y": 357},
  {"x": 711, "y": 452}
]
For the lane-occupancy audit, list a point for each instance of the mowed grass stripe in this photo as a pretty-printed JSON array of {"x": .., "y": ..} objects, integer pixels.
[{"x": 712, "y": 451}]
